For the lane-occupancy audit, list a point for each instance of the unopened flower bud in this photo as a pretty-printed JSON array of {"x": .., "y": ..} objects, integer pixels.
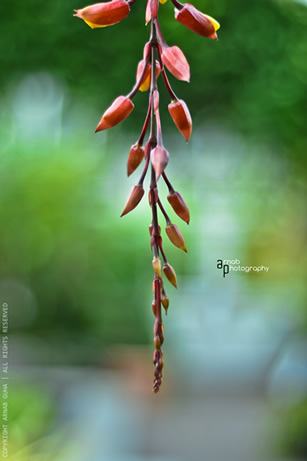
[
  {"x": 134, "y": 199},
  {"x": 179, "y": 206},
  {"x": 116, "y": 113},
  {"x": 156, "y": 264},
  {"x": 135, "y": 157},
  {"x": 146, "y": 50},
  {"x": 197, "y": 21},
  {"x": 175, "y": 236},
  {"x": 176, "y": 62},
  {"x": 159, "y": 159},
  {"x": 147, "y": 77},
  {"x": 164, "y": 299},
  {"x": 104, "y": 14},
  {"x": 170, "y": 274},
  {"x": 152, "y": 9},
  {"x": 181, "y": 116}
]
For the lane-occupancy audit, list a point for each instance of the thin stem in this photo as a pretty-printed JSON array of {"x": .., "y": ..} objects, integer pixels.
[
  {"x": 163, "y": 255},
  {"x": 163, "y": 211},
  {"x": 159, "y": 33},
  {"x": 177, "y": 4},
  {"x": 146, "y": 123},
  {"x": 159, "y": 129},
  {"x": 158, "y": 300},
  {"x": 141, "y": 180},
  {"x": 153, "y": 81},
  {"x": 170, "y": 187}
]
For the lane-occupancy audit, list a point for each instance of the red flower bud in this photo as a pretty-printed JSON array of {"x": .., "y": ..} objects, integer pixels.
[
  {"x": 134, "y": 199},
  {"x": 159, "y": 159},
  {"x": 180, "y": 114},
  {"x": 116, "y": 113},
  {"x": 152, "y": 9},
  {"x": 146, "y": 51},
  {"x": 104, "y": 14},
  {"x": 179, "y": 206},
  {"x": 147, "y": 77},
  {"x": 176, "y": 62},
  {"x": 135, "y": 157},
  {"x": 175, "y": 236},
  {"x": 170, "y": 274},
  {"x": 197, "y": 21}
]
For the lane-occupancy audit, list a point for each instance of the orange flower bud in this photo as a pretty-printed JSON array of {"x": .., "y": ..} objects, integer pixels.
[
  {"x": 170, "y": 274},
  {"x": 176, "y": 62},
  {"x": 159, "y": 159},
  {"x": 180, "y": 114},
  {"x": 156, "y": 264},
  {"x": 175, "y": 236},
  {"x": 179, "y": 206},
  {"x": 116, "y": 113},
  {"x": 147, "y": 77},
  {"x": 135, "y": 157},
  {"x": 104, "y": 14},
  {"x": 134, "y": 199},
  {"x": 197, "y": 21}
]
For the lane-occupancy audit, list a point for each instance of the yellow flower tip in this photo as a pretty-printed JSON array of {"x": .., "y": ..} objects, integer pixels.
[
  {"x": 145, "y": 85},
  {"x": 93, "y": 26},
  {"x": 216, "y": 24},
  {"x": 162, "y": 1}
]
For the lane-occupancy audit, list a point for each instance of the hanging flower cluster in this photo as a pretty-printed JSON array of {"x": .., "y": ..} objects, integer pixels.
[{"x": 157, "y": 57}]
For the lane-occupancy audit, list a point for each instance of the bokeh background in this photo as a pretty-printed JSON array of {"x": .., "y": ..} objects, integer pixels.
[{"x": 77, "y": 278}]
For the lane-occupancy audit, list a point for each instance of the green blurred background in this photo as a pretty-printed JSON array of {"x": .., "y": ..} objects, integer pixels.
[{"x": 77, "y": 278}]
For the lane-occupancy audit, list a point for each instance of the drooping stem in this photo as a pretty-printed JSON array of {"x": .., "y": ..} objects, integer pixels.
[
  {"x": 170, "y": 187},
  {"x": 146, "y": 124},
  {"x": 163, "y": 211},
  {"x": 159, "y": 129},
  {"x": 159, "y": 33},
  {"x": 177, "y": 4},
  {"x": 141, "y": 180}
]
